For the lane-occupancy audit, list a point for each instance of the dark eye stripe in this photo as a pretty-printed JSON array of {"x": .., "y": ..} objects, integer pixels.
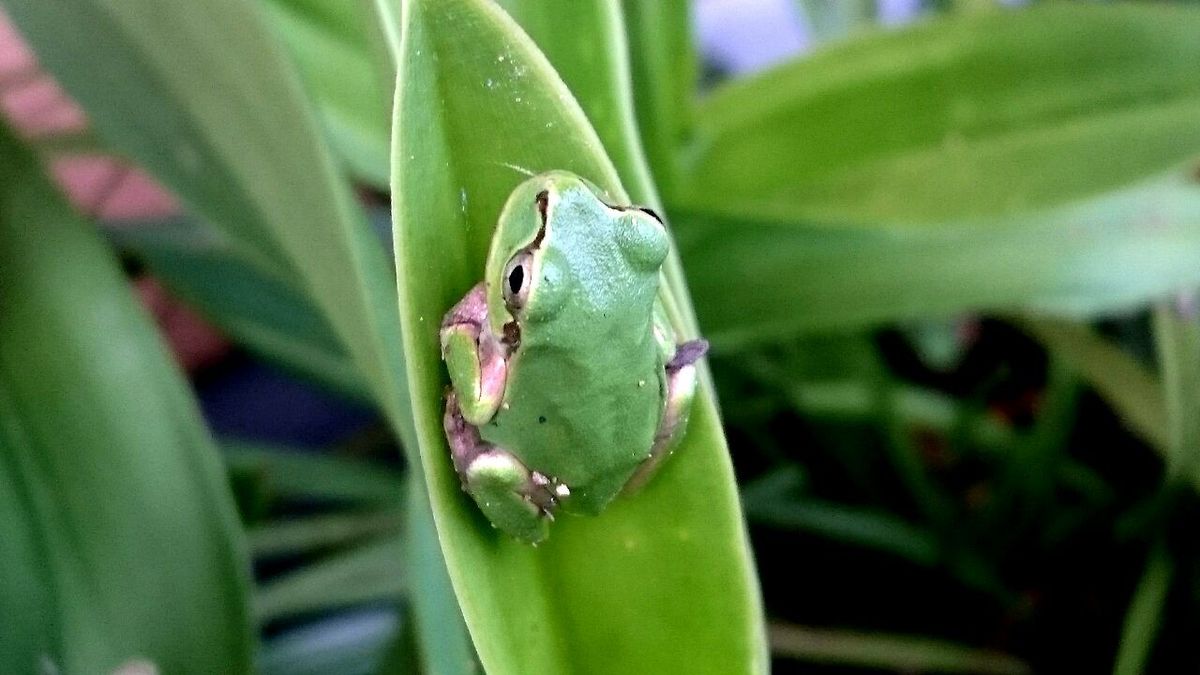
[{"x": 651, "y": 213}]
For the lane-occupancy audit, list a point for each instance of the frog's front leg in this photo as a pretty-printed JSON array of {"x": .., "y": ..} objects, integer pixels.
[
  {"x": 476, "y": 359},
  {"x": 519, "y": 501},
  {"x": 681, "y": 389}
]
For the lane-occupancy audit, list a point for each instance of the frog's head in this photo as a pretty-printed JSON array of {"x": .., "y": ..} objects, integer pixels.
[{"x": 557, "y": 237}]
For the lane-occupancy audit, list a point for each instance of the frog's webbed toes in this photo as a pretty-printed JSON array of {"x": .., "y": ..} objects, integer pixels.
[
  {"x": 510, "y": 496},
  {"x": 687, "y": 353},
  {"x": 519, "y": 501},
  {"x": 681, "y": 390}
]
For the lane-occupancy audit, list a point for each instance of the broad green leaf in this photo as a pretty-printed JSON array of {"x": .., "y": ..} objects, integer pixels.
[
  {"x": 225, "y": 124},
  {"x": 658, "y": 583},
  {"x": 761, "y": 280},
  {"x": 999, "y": 161},
  {"x": 265, "y": 314},
  {"x": 119, "y": 530},
  {"x": 984, "y": 114}
]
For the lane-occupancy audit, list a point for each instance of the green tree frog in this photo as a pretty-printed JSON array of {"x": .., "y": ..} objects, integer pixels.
[{"x": 567, "y": 385}]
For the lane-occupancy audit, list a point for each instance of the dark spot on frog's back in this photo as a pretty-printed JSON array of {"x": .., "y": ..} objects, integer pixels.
[{"x": 541, "y": 419}]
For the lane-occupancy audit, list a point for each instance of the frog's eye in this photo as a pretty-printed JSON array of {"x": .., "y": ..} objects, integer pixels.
[
  {"x": 643, "y": 239},
  {"x": 517, "y": 280}
]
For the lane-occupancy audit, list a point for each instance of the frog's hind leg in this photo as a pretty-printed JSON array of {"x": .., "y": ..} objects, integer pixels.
[
  {"x": 681, "y": 389},
  {"x": 519, "y": 501}
]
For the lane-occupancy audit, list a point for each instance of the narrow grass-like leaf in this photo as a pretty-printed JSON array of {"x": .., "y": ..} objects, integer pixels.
[
  {"x": 347, "y": 644},
  {"x": 1128, "y": 386},
  {"x": 1177, "y": 334},
  {"x": 292, "y": 473},
  {"x": 314, "y": 533},
  {"x": 263, "y": 313},
  {"x": 890, "y": 652},
  {"x": 1144, "y": 617},
  {"x": 857, "y": 526},
  {"x": 665, "y": 71},
  {"x": 119, "y": 530},
  {"x": 658, "y": 583},
  {"x": 979, "y": 115},
  {"x": 371, "y": 572}
]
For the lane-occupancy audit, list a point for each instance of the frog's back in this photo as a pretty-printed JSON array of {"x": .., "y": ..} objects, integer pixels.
[{"x": 586, "y": 384}]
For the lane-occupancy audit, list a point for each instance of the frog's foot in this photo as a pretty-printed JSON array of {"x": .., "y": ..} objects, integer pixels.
[
  {"x": 475, "y": 358},
  {"x": 519, "y": 501},
  {"x": 681, "y": 389}
]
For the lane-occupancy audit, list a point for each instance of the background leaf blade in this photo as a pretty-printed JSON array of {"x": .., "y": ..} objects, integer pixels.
[{"x": 122, "y": 487}]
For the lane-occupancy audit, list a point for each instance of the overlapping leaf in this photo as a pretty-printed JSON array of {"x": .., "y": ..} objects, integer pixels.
[
  {"x": 225, "y": 125},
  {"x": 1036, "y": 158}
]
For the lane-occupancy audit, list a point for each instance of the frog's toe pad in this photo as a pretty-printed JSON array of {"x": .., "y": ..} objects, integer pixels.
[
  {"x": 501, "y": 487},
  {"x": 687, "y": 353}
]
